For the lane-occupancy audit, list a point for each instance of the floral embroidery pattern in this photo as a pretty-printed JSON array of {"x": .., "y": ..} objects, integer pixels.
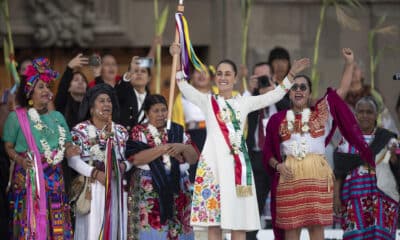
[
  {"x": 147, "y": 199},
  {"x": 206, "y": 196},
  {"x": 314, "y": 122}
]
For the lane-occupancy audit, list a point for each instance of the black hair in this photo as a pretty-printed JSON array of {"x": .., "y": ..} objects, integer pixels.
[
  {"x": 152, "y": 100},
  {"x": 278, "y": 53},
  {"x": 82, "y": 74},
  {"x": 90, "y": 97},
  {"x": 259, "y": 64},
  {"x": 307, "y": 79},
  {"x": 230, "y": 62},
  {"x": 20, "y": 97}
]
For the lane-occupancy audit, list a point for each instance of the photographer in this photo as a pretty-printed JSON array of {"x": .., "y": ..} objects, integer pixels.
[
  {"x": 133, "y": 90},
  {"x": 257, "y": 121}
]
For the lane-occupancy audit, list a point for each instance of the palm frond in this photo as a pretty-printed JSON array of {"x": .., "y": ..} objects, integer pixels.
[
  {"x": 346, "y": 20},
  {"x": 388, "y": 30},
  {"x": 353, "y": 3},
  {"x": 162, "y": 21}
]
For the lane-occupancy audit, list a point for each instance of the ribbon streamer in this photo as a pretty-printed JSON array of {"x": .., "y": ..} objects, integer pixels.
[{"x": 187, "y": 50}]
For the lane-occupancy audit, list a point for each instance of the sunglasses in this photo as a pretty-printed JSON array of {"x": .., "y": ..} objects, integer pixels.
[{"x": 302, "y": 87}]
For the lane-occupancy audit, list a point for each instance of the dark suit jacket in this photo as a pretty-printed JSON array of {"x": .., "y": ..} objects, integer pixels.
[{"x": 129, "y": 112}]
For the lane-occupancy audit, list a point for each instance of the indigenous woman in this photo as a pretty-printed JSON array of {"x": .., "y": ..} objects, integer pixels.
[
  {"x": 159, "y": 196},
  {"x": 373, "y": 212},
  {"x": 224, "y": 194},
  {"x": 302, "y": 181},
  {"x": 102, "y": 161},
  {"x": 36, "y": 139}
]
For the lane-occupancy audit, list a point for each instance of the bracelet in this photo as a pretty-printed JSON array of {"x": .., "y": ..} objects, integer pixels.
[{"x": 276, "y": 165}]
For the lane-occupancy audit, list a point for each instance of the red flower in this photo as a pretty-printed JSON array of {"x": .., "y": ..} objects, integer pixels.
[{"x": 199, "y": 180}]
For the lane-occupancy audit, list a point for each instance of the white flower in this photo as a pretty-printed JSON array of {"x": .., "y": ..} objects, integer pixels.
[
  {"x": 35, "y": 117},
  {"x": 52, "y": 157},
  {"x": 305, "y": 118},
  {"x": 157, "y": 141},
  {"x": 290, "y": 119},
  {"x": 97, "y": 153},
  {"x": 299, "y": 149}
]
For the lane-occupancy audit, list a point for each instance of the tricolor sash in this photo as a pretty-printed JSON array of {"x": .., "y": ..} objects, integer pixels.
[{"x": 242, "y": 165}]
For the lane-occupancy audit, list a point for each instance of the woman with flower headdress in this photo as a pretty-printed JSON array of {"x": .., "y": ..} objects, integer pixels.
[
  {"x": 102, "y": 163},
  {"x": 36, "y": 140},
  {"x": 294, "y": 154}
]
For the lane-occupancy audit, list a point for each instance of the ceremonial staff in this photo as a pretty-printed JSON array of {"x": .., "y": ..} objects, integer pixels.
[
  {"x": 187, "y": 56},
  {"x": 179, "y": 9}
]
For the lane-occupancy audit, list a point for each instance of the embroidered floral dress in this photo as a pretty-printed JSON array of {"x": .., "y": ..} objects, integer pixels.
[
  {"x": 93, "y": 153},
  {"x": 143, "y": 201},
  {"x": 58, "y": 210},
  {"x": 370, "y": 197},
  {"x": 224, "y": 193}
]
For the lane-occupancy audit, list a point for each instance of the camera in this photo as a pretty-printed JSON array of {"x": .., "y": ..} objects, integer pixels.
[
  {"x": 94, "y": 60},
  {"x": 263, "y": 82},
  {"x": 145, "y": 62},
  {"x": 396, "y": 76}
]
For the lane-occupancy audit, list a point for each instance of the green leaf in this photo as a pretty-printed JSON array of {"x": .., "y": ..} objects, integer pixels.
[
  {"x": 381, "y": 20},
  {"x": 162, "y": 21},
  {"x": 353, "y": 3}
]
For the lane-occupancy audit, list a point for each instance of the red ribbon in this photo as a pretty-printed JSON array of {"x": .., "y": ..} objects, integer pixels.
[{"x": 225, "y": 133}]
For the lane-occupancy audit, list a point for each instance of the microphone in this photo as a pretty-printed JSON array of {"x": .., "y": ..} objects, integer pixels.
[
  {"x": 396, "y": 76},
  {"x": 100, "y": 112}
]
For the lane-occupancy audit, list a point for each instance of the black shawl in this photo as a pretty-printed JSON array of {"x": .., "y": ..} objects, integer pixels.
[{"x": 166, "y": 185}]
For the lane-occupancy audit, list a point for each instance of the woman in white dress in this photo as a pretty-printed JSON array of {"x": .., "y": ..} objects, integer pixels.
[{"x": 224, "y": 194}]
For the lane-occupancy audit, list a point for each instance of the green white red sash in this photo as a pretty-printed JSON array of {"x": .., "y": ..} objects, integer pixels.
[{"x": 229, "y": 123}]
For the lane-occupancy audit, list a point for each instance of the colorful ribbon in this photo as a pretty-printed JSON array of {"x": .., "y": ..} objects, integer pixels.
[{"x": 187, "y": 51}]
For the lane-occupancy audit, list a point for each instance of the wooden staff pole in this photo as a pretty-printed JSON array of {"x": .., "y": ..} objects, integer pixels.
[{"x": 180, "y": 8}]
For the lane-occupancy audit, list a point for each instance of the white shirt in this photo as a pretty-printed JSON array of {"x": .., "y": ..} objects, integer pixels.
[{"x": 140, "y": 100}]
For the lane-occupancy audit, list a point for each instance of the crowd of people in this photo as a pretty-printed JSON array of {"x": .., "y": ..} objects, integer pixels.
[{"x": 96, "y": 160}]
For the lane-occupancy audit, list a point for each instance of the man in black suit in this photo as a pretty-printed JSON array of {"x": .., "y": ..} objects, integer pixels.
[{"x": 257, "y": 122}]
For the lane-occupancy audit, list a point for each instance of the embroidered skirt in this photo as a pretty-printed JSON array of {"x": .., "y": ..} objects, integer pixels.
[
  {"x": 58, "y": 211},
  {"x": 368, "y": 212},
  {"x": 307, "y": 199},
  {"x": 144, "y": 210}
]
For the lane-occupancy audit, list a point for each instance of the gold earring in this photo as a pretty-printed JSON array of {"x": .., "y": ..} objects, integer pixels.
[{"x": 30, "y": 102}]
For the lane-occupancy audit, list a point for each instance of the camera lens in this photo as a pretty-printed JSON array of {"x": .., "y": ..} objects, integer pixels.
[{"x": 396, "y": 76}]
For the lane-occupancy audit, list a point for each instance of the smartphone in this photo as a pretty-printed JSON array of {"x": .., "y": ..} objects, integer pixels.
[
  {"x": 145, "y": 62},
  {"x": 94, "y": 60}
]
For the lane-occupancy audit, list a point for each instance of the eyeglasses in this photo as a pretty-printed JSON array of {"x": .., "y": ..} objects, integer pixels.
[{"x": 302, "y": 87}]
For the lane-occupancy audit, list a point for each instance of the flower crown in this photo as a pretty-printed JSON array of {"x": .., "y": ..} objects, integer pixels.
[{"x": 39, "y": 69}]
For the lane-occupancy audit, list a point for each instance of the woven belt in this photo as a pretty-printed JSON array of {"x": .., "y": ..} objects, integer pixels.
[{"x": 196, "y": 125}]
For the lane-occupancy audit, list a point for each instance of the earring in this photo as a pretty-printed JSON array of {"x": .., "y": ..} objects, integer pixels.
[{"x": 30, "y": 102}]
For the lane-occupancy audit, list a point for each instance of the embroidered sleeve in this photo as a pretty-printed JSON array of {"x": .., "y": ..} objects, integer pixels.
[
  {"x": 138, "y": 134},
  {"x": 80, "y": 138},
  {"x": 319, "y": 119}
]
